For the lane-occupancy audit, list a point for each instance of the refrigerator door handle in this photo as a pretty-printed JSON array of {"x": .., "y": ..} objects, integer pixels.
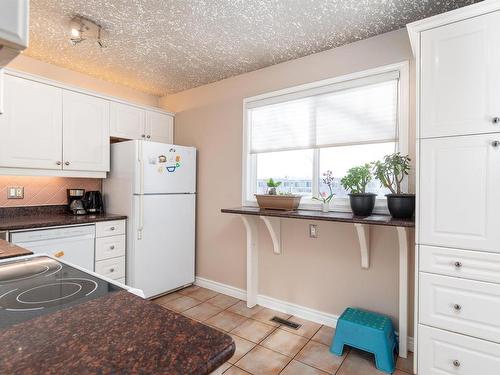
[
  {"x": 141, "y": 192},
  {"x": 141, "y": 217}
]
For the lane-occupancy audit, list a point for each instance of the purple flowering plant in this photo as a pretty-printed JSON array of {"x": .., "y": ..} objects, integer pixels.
[{"x": 328, "y": 181}]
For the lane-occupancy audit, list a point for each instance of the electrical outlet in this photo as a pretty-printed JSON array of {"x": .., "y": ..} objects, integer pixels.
[
  {"x": 313, "y": 231},
  {"x": 15, "y": 192}
]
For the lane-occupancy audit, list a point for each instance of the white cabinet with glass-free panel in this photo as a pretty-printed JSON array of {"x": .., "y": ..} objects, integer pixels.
[
  {"x": 14, "y": 24},
  {"x": 85, "y": 132},
  {"x": 159, "y": 127},
  {"x": 127, "y": 121},
  {"x": 31, "y": 125},
  {"x": 110, "y": 249},
  {"x": 460, "y": 79}
]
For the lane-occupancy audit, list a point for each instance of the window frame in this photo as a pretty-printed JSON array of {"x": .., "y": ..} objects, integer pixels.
[{"x": 249, "y": 161}]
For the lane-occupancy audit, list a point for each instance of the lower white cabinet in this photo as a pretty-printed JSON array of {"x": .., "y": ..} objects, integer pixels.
[
  {"x": 113, "y": 268},
  {"x": 110, "y": 249},
  {"x": 445, "y": 353}
]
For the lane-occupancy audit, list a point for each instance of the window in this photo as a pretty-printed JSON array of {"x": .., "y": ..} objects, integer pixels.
[{"x": 295, "y": 135}]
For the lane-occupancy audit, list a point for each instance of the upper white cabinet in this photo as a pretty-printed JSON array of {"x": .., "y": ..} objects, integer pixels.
[
  {"x": 31, "y": 125},
  {"x": 85, "y": 132},
  {"x": 14, "y": 21},
  {"x": 460, "y": 192},
  {"x": 130, "y": 122},
  {"x": 126, "y": 121},
  {"x": 159, "y": 127},
  {"x": 460, "y": 78}
]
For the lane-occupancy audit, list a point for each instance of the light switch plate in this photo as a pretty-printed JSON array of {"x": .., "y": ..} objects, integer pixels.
[
  {"x": 15, "y": 192},
  {"x": 313, "y": 231}
]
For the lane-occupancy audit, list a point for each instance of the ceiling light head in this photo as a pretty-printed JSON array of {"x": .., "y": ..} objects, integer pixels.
[{"x": 82, "y": 28}]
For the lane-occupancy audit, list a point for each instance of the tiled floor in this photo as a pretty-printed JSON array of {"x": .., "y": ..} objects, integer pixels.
[{"x": 263, "y": 347}]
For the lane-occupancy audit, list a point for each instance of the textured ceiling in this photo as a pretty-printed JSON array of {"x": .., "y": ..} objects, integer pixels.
[{"x": 165, "y": 46}]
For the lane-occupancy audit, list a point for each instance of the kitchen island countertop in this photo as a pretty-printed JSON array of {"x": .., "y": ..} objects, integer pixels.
[{"x": 8, "y": 250}]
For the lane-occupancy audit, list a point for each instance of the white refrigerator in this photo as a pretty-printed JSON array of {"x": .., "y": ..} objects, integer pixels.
[{"x": 154, "y": 184}]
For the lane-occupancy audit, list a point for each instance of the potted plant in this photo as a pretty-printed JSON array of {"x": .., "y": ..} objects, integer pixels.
[
  {"x": 324, "y": 197},
  {"x": 391, "y": 172},
  {"x": 355, "y": 181},
  {"x": 277, "y": 201}
]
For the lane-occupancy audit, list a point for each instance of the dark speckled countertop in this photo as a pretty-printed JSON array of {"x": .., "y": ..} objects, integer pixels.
[
  {"x": 16, "y": 218},
  {"x": 116, "y": 334}
]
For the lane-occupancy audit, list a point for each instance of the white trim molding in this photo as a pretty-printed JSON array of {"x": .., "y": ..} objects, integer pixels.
[{"x": 303, "y": 312}]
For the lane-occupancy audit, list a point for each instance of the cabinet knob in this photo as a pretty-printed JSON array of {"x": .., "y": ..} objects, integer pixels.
[
  {"x": 67, "y": 163},
  {"x": 148, "y": 137},
  {"x": 496, "y": 120},
  {"x": 456, "y": 363},
  {"x": 112, "y": 247},
  {"x": 143, "y": 135},
  {"x": 457, "y": 307},
  {"x": 458, "y": 264},
  {"x": 58, "y": 162},
  {"x": 112, "y": 228},
  {"x": 111, "y": 270},
  {"x": 495, "y": 143}
]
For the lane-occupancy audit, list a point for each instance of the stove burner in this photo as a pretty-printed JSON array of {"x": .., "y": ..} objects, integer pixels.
[
  {"x": 47, "y": 295},
  {"x": 20, "y": 271}
]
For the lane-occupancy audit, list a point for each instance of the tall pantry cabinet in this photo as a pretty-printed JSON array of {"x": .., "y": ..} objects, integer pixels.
[{"x": 458, "y": 212}]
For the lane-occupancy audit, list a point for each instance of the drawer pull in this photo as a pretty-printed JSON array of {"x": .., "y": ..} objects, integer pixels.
[
  {"x": 112, "y": 247},
  {"x": 458, "y": 264},
  {"x": 112, "y": 228},
  {"x": 457, "y": 307},
  {"x": 456, "y": 363},
  {"x": 111, "y": 270}
]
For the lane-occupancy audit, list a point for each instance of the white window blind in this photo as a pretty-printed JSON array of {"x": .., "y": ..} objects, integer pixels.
[{"x": 348, "y": 113}]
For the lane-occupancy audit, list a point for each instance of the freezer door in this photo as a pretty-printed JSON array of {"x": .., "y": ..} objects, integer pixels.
[
  {"x": 166, "y": 169},
  {"x": 162, "y": 255}
]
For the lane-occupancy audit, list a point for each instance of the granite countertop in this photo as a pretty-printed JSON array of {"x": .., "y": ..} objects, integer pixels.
[
  {"x": 115, "y": 334},
  {"x": 46, "y": 216},
  {"x": 344, "y": 217},
  {"x": 8, "y": 250}
]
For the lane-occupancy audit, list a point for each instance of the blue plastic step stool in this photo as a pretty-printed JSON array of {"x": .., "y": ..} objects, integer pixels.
[{"x": 367, "y": 331}]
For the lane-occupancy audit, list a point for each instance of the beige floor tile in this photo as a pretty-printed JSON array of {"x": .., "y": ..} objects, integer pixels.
[
  {"x": 253, "y": 330},
  {"x": 233, "y": 370},
  {"x": 181, "y": 304},
  {"x": 308, "y": 328},
  {"x": 223, "y": 301},
  {"x": 265, "y": 314},
  {"x": 221, "y": 369},
  {"x": 226, "y": 320},
  {"x": 202, "y": 294},
  {"x": 405, "y": 364},
  {"x": 298, "y": 368},
  {"x": 324, "y": 335},
  {"x": 399, "y": 372},
  {"x": 202, "y": 311},
  {"x": 188, "y": 289},
  {"x": 262, "y": 361},
  {"x": 169, "y": 297},
  {"x": 242, "y": 309},
  {"x": 284, "y": 342},
  {"x": 359, "y": 363},
  {"x": 242, "y": 347},
  {"x": 319, "y": 356}
]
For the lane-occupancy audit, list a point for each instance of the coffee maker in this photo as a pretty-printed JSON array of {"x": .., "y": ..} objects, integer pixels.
[
  {"x": 75, "y": 202},
  {"x": 92, "y": 202}
]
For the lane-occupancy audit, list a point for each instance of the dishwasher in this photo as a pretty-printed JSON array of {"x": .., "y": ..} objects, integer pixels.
[{"x": 75, "y": 244}]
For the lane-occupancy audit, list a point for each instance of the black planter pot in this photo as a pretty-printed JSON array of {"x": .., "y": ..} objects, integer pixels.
[
  {"x": 362, "y": 204},
  {"x": 401, "y": 206}
]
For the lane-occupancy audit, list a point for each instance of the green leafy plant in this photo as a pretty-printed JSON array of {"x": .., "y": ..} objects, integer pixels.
[
  {"x": 392, "y": 170},
  {"x": 272, "y": 185},
  {"x": 357, "y": 179},
  {"x": 328, "y": 181}
]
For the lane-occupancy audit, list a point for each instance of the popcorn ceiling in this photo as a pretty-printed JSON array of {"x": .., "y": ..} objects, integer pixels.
[{"x": 166, "y": 46}]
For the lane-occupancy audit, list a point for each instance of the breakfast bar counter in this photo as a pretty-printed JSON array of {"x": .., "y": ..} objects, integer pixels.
[{"x": 116, "y": 334}]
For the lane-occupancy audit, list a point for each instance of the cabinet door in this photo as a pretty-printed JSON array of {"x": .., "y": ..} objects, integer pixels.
[
  {"x": 85, "y": 132},
  {"x": 126, "y": 121},
  {"x": 459, "y": 192},
  {"x": 159, "y": 127},
  {"x": 31, "y": 125},
  {"x": 460, "y": 78}
]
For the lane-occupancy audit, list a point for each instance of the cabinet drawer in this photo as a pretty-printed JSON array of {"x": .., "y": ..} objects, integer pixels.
[
  {"x": 476, "y": 265},
  {"x": 110, "y": 228},
  {"x": 109, "y": 247},
  {"x": 442, "y": 353},
  {"x": 459, "y": 305},
  {"x": 112, "y": 268},
  {"x": 121, "y": 280}
]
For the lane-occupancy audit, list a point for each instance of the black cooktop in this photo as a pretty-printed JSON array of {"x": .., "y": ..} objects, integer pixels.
[{"x": 40, "y": 285}]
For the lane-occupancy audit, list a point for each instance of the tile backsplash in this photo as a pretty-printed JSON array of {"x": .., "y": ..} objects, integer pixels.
[{"x": 43, "y": 190}]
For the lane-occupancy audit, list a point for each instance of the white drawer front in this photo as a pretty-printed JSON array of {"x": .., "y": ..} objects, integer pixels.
[
  {"x": 476, "y": 265},
  {"x": 109, "y": 247},
  {"x": 110, "y": 228},
  {"x": 459, "y": 305},
  {"x": 442, "y": 353},
  {"x": 112, "y": 268},
  {"x": 121, "y": 280}
]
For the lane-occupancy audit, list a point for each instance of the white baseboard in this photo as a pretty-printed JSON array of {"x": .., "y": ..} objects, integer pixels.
[{"x": 272, "y": 303}]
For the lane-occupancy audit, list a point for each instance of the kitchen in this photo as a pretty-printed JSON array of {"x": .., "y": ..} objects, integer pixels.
[{"x": 171, "y": 160}]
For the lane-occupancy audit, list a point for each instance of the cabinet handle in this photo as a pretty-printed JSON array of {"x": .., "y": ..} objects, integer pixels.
[
  {"x": 456, "y": 363},
  {"x": 143, "y": 135},
  {"x": 112, "y": 247},
  {"x": 457, "y": 307},
  {"x": 496, "y": 120},
  {"x": 112, "y": 228},
  {"x": 67, "y": 163},
  {"x": 58, "y": 163},
  {"x": 495, "y": 143},
  {"x": 458, "y": 264},
  {"x": 111, "y": 270},
  {"x": 148, "y": 137}
]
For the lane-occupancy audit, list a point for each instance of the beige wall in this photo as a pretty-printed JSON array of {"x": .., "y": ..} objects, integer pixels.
[
  {"x": 30, "y": 65},
  {"x": 322, "y": 273}
]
